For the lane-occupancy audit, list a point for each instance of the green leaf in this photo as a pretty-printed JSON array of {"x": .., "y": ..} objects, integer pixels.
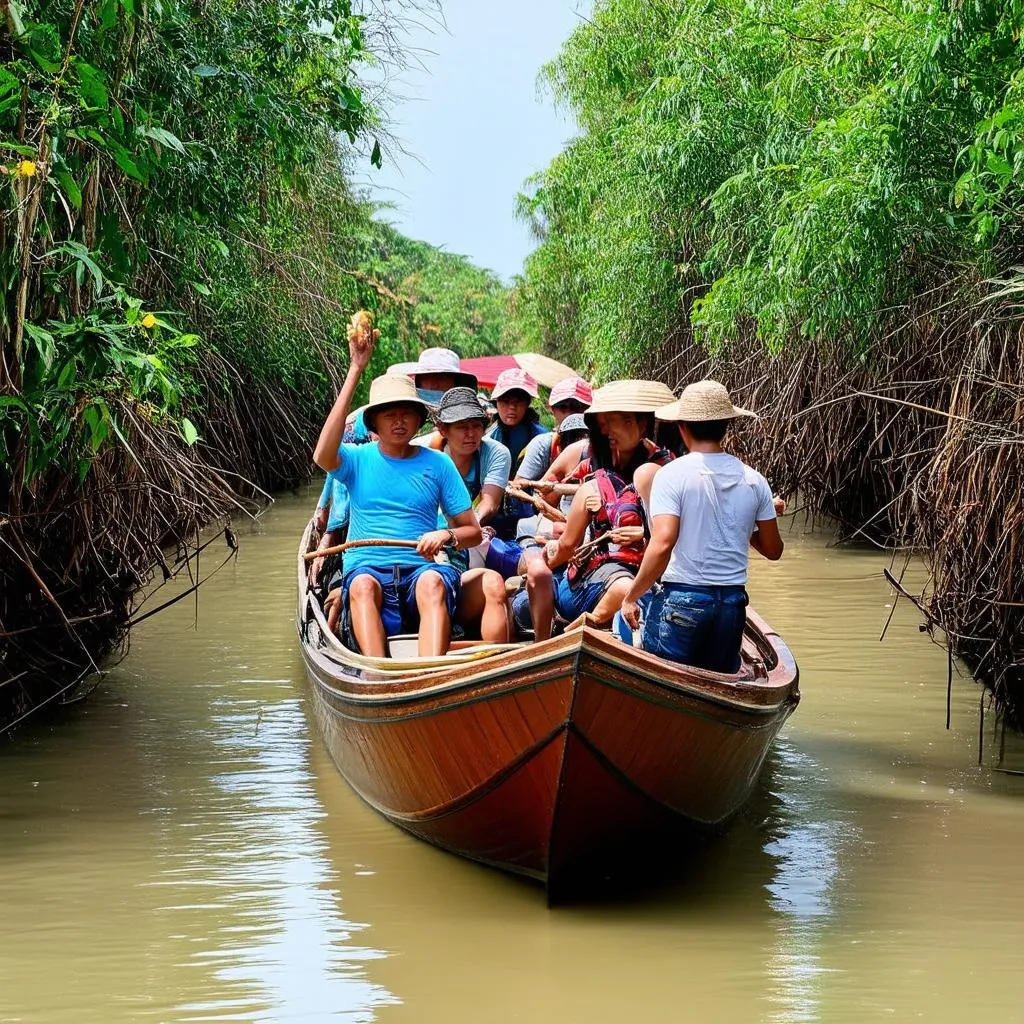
[
  {"x": 375, "y": 157},
  {"x": 188, "y": 431},
  {"x": 67, "y": 183}
]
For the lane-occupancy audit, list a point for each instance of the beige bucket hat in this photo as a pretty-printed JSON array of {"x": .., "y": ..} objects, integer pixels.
[
  {"x": 391, "y": 390},
  {"x": 631, "y": 396},
  {"x": 703, "y": 401}
]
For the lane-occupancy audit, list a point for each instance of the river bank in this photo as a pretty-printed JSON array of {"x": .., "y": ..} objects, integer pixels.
[
  {"x": 909, "y": 453},
  {"x": 213, "y": 864}
]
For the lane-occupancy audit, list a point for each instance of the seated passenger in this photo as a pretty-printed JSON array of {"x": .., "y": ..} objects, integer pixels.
[
  {"x": 707, "y": 510},
  {"x": 516, "y": 426},
  {"x": 571, "y": 397},
  {"x": 621, "y": 423},
  {"x": 436, "y": 371},
  {"x": 484, "y": 466},
  {"x": 395, "y": 490}
]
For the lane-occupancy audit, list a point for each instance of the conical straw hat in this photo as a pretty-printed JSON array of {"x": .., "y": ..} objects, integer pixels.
[
  {"x": 706, "y": 400},
  {"x": 630, "y": 396}
]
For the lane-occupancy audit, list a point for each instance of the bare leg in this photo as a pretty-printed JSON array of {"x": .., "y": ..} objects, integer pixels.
[
  {"x": 541, "y": 591},
  {"x": 483, "y": 599},
  {"x": 333, "y": 608},
  {"x": 611, "y": 601},
  {"x": 365, "y": 598},
  {"x": 328, "y": 540},
  {"x": 435, "y": 624}
]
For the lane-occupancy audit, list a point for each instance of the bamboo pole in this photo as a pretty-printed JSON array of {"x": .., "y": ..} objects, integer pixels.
[
  {"x": 549, "y": 511},
  {"x": 340, "y": 549}
]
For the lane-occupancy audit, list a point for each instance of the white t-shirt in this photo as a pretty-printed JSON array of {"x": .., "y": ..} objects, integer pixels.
[{"x": 719, "y": 501}]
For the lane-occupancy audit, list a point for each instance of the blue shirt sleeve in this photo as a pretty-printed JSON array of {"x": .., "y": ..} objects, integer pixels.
[
  {"x": 454, "y": 494},
  {"x": 325, "y": 494},
  {"x": 495, "y": 465},
  {"x": 349, "y": 455}
]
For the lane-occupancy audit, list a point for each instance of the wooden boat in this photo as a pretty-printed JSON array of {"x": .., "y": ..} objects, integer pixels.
[{"x": 538, "y": 758}]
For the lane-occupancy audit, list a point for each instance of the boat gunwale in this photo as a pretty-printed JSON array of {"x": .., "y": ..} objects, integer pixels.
[{"x": 430, "y": 683}]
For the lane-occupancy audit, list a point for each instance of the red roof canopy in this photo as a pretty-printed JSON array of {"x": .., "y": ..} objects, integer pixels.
[{"x": 487, "y": 368}]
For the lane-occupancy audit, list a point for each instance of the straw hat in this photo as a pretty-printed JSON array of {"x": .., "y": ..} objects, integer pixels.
[
  {"x": 458, "y": 405},
  {"x": 513, "y": 380},
  {"x": 391, "y": 390},
  {"x": 630, "y": 396},
  {"x": 706, "y": 400}
]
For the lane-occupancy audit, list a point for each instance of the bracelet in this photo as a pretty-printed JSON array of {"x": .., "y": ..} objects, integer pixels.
[{"x": 455, "y": 539}]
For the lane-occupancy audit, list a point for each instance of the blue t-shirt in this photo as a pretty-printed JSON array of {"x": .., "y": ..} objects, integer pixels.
[
  {"x": 335, "y": 497},
  {"x": 396, "y": 499}
]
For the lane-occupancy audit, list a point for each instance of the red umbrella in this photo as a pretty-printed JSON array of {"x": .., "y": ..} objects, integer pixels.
[{"x": 543, "y": 369}]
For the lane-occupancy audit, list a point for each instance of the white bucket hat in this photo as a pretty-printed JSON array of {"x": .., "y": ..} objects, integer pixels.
[
  {"x": 439, "y": 360},
  {"x": 701, "y": 402}
]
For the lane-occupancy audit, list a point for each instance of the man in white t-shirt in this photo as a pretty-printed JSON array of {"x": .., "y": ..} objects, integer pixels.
[{"x": 707, "y": 510}]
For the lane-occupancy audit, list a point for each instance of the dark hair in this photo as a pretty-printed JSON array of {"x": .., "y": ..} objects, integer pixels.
[
  {"x": 601, "y": 450},
  {"x": 568, "y": 437},
  {"x": 572, "y": 404},
  {"x": 708, "y": 430}
]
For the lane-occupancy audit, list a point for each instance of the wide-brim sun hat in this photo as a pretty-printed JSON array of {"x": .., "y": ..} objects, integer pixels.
[
  {"x": 391, "y": 389},
  {"x": 441, "y": 361},
  {"x": 572, "y": 389},
  {"x": 630, "y": 396},
  {"x": 458, "y": 405},
  {"x": 513, "y": 380},
  {"x": 702, "y": 402}
]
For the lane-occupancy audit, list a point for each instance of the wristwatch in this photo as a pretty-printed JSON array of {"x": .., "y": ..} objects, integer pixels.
[{"x": 455, "y": 539}]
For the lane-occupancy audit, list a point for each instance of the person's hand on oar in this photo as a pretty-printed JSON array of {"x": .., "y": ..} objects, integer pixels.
[{"x": 431, "y": 544}]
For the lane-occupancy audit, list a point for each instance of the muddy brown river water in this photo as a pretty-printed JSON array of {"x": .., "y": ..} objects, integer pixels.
[{"x": 180, "y": 848}]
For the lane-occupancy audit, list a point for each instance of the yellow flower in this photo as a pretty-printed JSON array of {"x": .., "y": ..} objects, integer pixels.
[
  {"x": 148, "y": 321},
  {"x": 27, "y": 169}
]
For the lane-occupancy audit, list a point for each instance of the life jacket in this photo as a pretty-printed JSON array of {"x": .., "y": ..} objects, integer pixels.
[
  {"x": 659, "y": 456},
  {"x": 620, "y": 506}
]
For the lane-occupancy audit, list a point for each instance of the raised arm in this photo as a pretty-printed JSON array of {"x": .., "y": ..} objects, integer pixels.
[{"x": 361, "y": 340}]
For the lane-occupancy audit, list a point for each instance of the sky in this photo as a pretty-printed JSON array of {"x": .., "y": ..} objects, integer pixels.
[{"x": 474, "y": 127}]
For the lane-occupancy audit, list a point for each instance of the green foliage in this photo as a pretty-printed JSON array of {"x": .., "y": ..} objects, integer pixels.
[
  {"x": 193, "y": 159},
  {"x": 798, "y": 167}
]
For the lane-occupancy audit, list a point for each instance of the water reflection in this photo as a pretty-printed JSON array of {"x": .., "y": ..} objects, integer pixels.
[
  {"x": 181, "y": 848},
  {"x": 807, "y": 838}
]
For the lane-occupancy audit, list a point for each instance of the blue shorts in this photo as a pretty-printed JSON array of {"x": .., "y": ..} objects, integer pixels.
[
  {"x": 398, "y": 582},
  {"x": 699, "y": 626},
  {"x": 572, "y": 601}
]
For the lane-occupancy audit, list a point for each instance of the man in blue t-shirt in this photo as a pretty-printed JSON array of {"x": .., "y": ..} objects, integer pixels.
[{"x": 395, "y": 489}]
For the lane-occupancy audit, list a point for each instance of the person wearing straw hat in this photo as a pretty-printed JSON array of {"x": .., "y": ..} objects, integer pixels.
[
  {"x": 621, "y": 424},
  {"x": 570, "y": 397},
  {"x": 707, "y": 509},
  {"x": 395, "y": 489},
  {"x": 484, "y": 466}
]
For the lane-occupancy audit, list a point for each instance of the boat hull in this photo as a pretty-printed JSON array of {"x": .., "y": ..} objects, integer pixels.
[{"x": 544, "y": 759}]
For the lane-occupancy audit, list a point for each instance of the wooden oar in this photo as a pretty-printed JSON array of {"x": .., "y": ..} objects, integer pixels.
[
  {"x": 551, "y": 487},
  {"x": 548, "y": 511},
  {"x": 340, "y": 549}
]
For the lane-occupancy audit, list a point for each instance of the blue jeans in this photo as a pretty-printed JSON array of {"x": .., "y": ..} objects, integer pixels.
[
  {"x": 399, "y": 611},
  {"x": 698, "y": 626}
]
